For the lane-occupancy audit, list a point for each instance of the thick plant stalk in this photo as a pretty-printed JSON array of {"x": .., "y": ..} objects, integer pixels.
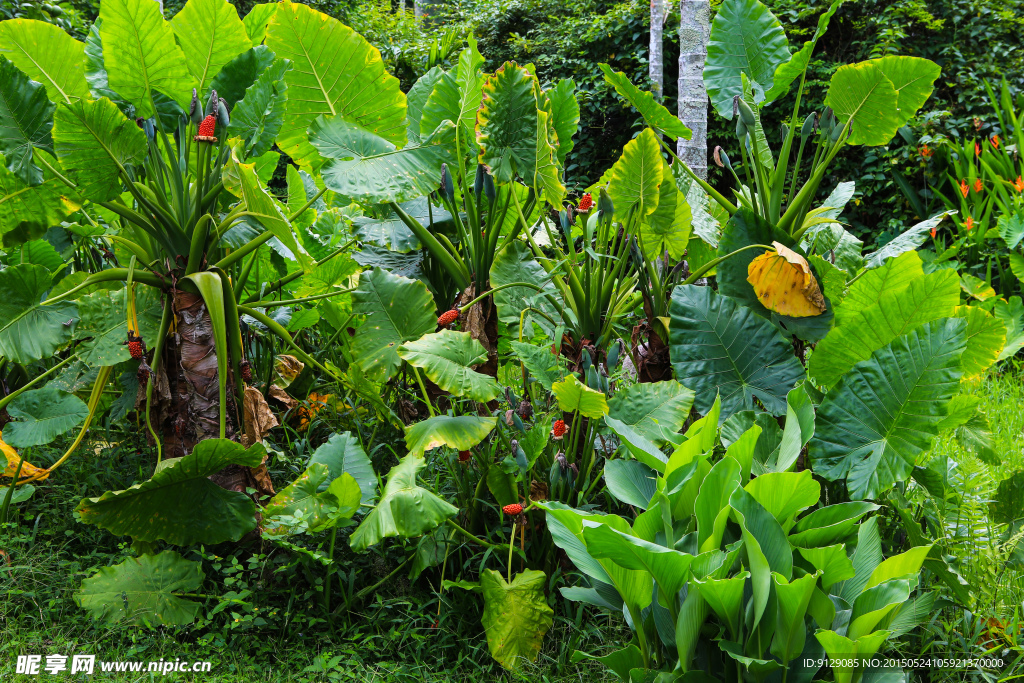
[
  {"x": 198, "y": 362},
  {"x": 656, "y": 63},
  {"x": 694, "y": 30}
]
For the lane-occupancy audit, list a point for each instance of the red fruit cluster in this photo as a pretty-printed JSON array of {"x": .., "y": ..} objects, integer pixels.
[
  {"x": 246, "y": 370},
  {"x": 558, "y": 429},
  {"x": 586, "y": 201},
  {"x": 206, "y": 129},
  {"x": 464, "y": 456},
  {"x": 513, "y": 509},
  {"x": 448, "y": 317},
  {"x": 135, "y": 348}
]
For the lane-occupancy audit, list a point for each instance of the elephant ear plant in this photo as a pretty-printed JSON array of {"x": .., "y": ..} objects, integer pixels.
[
  {"x": 156, "y": 134},
  {"x": 740, "y": 577}
]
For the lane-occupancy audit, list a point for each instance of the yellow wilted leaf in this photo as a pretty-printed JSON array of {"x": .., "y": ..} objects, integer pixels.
[
  {"x": 312, "y": 405},
  {"x": 27, "y": 469},
  {"x": 783, "y": 282}
]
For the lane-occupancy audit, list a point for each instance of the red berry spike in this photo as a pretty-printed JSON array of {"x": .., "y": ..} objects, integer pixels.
[
  {"x": 464, "y": 456},
  {"x": 558, "y": 429},
  {"x": 135, "y": 349},
  {"x": 246, "y": 371},
  {"x": 206, "y": 129},
  {"x": 513, "y": 509},
  {"x": 586, "y": 201},
  {"x": 448, "y": 317}
]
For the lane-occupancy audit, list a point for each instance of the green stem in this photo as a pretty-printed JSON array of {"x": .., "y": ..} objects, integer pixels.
[
  {"x": 308, "y": 204},
  {"x": 165, "y": 325},
  {"x": 723, "y": 202},
  {"x": 35, "y": 380},
  {"x": 369, "y": 589},
  {"x": 292, "y": 302},
  {"x": 498, "y": 289},
  {"x": 423, "y": 388},
  {"x": 278, "y": 330},
  {"x": 109, "y": 275},
  {"x": 699, "y": 273}
]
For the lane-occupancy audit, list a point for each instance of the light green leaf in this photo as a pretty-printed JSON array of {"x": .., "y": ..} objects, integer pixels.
[
  {"x": 847, "y": 651},
  {"x": 792, "y": 600},
  {"x": 891, "y": 275},
  {"x": 257, "y": 20},
  {"x": 653, "y": 112},
  {"x": 141, "y": 55},
  {"x": 574, "y": 396},
  {"x": 874, "y": 604},
  {"x": 565, "y": 115},
  {"x": 541, "y": 362},
  {"x": 667, "y": 229},
  {"x": 799, "y": 428},
  {"x": 26, "y": 212},
  {"x": 831, "y": 561},
  {"x": 335, "y": 71},
  {"x": 303, "y": 498},
  {"x": 877, "y": 419},
  {"x": 506, "y": 124},
  {"x": 179, "y": 504},
  {"x": 28, "y": 331},
  {"x": 790, "y": 70},
  {"x": 143, "y": 590},
  {"x": 652, "y": 409},
  {"x": 397, "y": 310},
  {"x": 912, "y": 78},
  {"x": 516, "y": 615},
  {"x": 784, "y": 494},
  {"x": 636, "y": 177},
  {"x": 725, "y": 597},
  {"x": 828, "y": 525},
  {"x": 900, "y": 566},
  {"x": 446, "y": 357},
  {"x": 547, "y": 177},
  {"x": 343, "y": 454},
  {"x": 669, "y": 568},
  {"x": 461, "y": 433},
  {"x": 448, "y": 101},
  {"x": 41, "y": 415},
  {"x": 986, "y": 336},
  {"x": 48, "y": 55},
  {"x": 712, "y": 505},
  {"x": 639, "y": 447},
  {"x": 862, "y": 96},
  {"x": 211, "y": 34},
  {"x": 416, "y": 98},
  {"x": 405, "y": 509}
]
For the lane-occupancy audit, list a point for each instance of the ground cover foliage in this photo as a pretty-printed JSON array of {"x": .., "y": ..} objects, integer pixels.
[{"x": 352, "y": 359}]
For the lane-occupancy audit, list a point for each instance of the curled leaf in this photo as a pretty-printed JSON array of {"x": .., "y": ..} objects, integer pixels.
[{"x": 783, "y": 282}]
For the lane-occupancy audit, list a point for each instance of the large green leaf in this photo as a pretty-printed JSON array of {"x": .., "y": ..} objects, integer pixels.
[
  {"x": 48, "y": 55},
  {"x": 461, "y": 432},
  {"x": 143, "y": 590},
  {"x": 711, "y": 507},
  {"x": 28, "y": 331},
  {"x": 104, "y": 324},
  {"x": 861, "y": 95},
  {"x": 343, "y": 454},
  {"x": 654, "y": 113},
  {"x": 547, "y": 177},
  {"x": 397, "y": 310},
  {"x": 516, "y": 615},
  {"x": 506, "y": 124},
  {"x": 892, "y": 275},
  {"x": 416, "y": 98},
  {"x": 785, "y": 494},
  {"x": 831, "y": 561},
  {"x": 792, "y": 599},
  {"x": 746, "y": 38},
  {"x": 565, "y": 115},
  {"x": 390, "y": 232},
  {"x": 667, "y": 228},
  {"x": 257, "y": 117},
  {"x": 179, "y": 503},
  {"x": 652, "y": 409},
  {"x": 541, "y": 362},
  {"x": 668, "y": 567},
  {"x": 238, "y": 75},
  {"x": 141, "y": 55},
  {"x": 95, "y": 142},
  {"x": 335, "y": 72},
  {"x": 366, "y": 167},
  {"x": 448, "y": 101},
  {"x": 446, "y": 357},
  {"x": 405, "y": 509},
  {"x": 986, "y": 336},
  {"x": 790, "y": 70},
  {"x": 767, "y": 548},
  {"x": 825, "y": 526},
  {"x": 896, "y": 312},
  {"x": 312, "y": 499},
  {"x": 211, "y": 34},
  {"x": 631, "y": 482},
  {"x": 721, "y": 348},
  {"x": 41, "y": 415},
  {"x": 637, "y": 175},
  {"x": 517, "y": 263},
  {"x": 574, "y": 396},
  {"x": 26, "y": 117},
  {"x": 27, "y": 212},
  {"x": 885, "y": 411},
  {"x": 639, "y": 447},
  {"x": 912, "y": 77},
  {"x": 257, "y": 20}
]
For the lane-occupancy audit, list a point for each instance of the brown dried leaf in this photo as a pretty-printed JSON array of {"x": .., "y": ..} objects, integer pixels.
[
  {"x": 257, "y": 416},
  {"x": 279, "y": 395}
]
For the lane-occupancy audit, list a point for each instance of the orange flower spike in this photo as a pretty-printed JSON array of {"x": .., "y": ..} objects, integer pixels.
[
  {"x": 1018, "y": 184},
  {"x": 926, "y": 152},
  {"x": 995, "y": 141},
  {"x": 934, "y": 232},
  {"x": 977, "y": 149},
  {"x": 964, "y": 189},
  {"x": 978, "y": 185},
  {"x": 969, "y": 223}
]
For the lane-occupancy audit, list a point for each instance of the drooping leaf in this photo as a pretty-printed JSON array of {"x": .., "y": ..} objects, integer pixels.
[
  {"x": 211, "y": 34},
  {"x": 179, "y": 504},
  {"x": 908, "y": 240},
  {"x": 631, "y": 482},
  {"x": 783, "y": 283},
  {"x": 718, "y": 348},
  {"x": 141, "y": 55},
  {"x": 335, "y": 71},
  {"x": 343, "y": 454},
  {"x": 26, "y": 118},
  {"x": 446, "y": 357},
  {"x": 48, "y": 55},
  {"x": 143, "y": 590},
  {"x": 397, "y": 310},
  {"x": 41, "y": 415},
  {"x": 636, "y": 177},
  {"x": 506, "y": 124},
  {"x": 652, "y": 408},
  {"x": 405, "y": 509},
  {"x": 258, "y": 116},
  {"x": 746, "y": 38},
  {"x": 886, "y": 410},
  {"x": 28, "y": 331},
  {"x": 461, "y": 432},
  {"x": 653, "y": 112},
  {"x": 516, "y": 615},
  {"x": 574, "y": 396}
]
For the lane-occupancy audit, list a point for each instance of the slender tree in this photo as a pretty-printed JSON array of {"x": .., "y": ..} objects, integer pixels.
[
  {"x": 656, "y": 63},
  {"x": 694, "y": 29}
]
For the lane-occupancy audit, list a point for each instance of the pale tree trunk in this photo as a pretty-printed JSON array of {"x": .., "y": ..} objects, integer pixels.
[
  {"x": 417, "y": 8},
  {"x": 694, "y": 29},
  {"x": 656, "y": 63}
]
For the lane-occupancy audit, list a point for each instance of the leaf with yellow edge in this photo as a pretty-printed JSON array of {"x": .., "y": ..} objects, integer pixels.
[
  {"x": 783, "y": 282},
  {"x": 986, "y": 336},
  {"x": 574, "y": 396},
  {"x": 12, "y": 458},
  {"x": 976, "y": 287}
]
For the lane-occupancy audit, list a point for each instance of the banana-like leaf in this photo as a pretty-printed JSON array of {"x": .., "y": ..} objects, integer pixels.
[
  {"x": 405, "y": 509},
  {"x": 746, "y": 38},
  {"x": 461, "y": 432},
  {"x": 516, "y": 615},
  {"x": 26, "y": 118},
  {"x": 725, "y": 598},
  {"x": 830, "y": 524},
  {"x": 335, "y": 71},
  {"x": 142, "y": 590},
  {"x": 211, "y": 34},
  {"x": 574, "y": 396},
  {"x": 41, "y": 415},
  {"x": 368, "y": 168},
  {"x": 95, "y": 142},
  {"x": 720, "y": 348},
  {"x": 104, "y": 324},
  {"x": 653, "y": 112},
  {"x": 179, "y": 504},
  {"x": 711, "y": 507},
  {"x": 506, "y": 124},
  {"x": 631, "y": 482},
  {"x": 847, "y": 651},
  {"x": 141, "y": 55},
  {"x": 652, "y": 409},
  {"x": 831, "y": 561},
  {"x": 768, "y": 550},
  {"x": 792, "y": 599},
  {"x": 343, "y": 454},
  {"x": 669, "y": 568},
  {"x": 397, "y": 310},
  {"x": 635, "y": 179},
  {"x": 258, "y": 116},
  {"x": 900, "y": 566},
  {"x": 896, "y": 312},
  {"x": 877, "y": 419},
  {"x": 785, "y": 494},
  {"x": 28, "y": 331},
  {"x": 446, "y": 357},
  {"x": 48, "y": 55}
]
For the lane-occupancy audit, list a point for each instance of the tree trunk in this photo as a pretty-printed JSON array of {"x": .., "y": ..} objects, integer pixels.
[
  {"x": 694, "y": 29},
  {"x": 656, "y": 61}
]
